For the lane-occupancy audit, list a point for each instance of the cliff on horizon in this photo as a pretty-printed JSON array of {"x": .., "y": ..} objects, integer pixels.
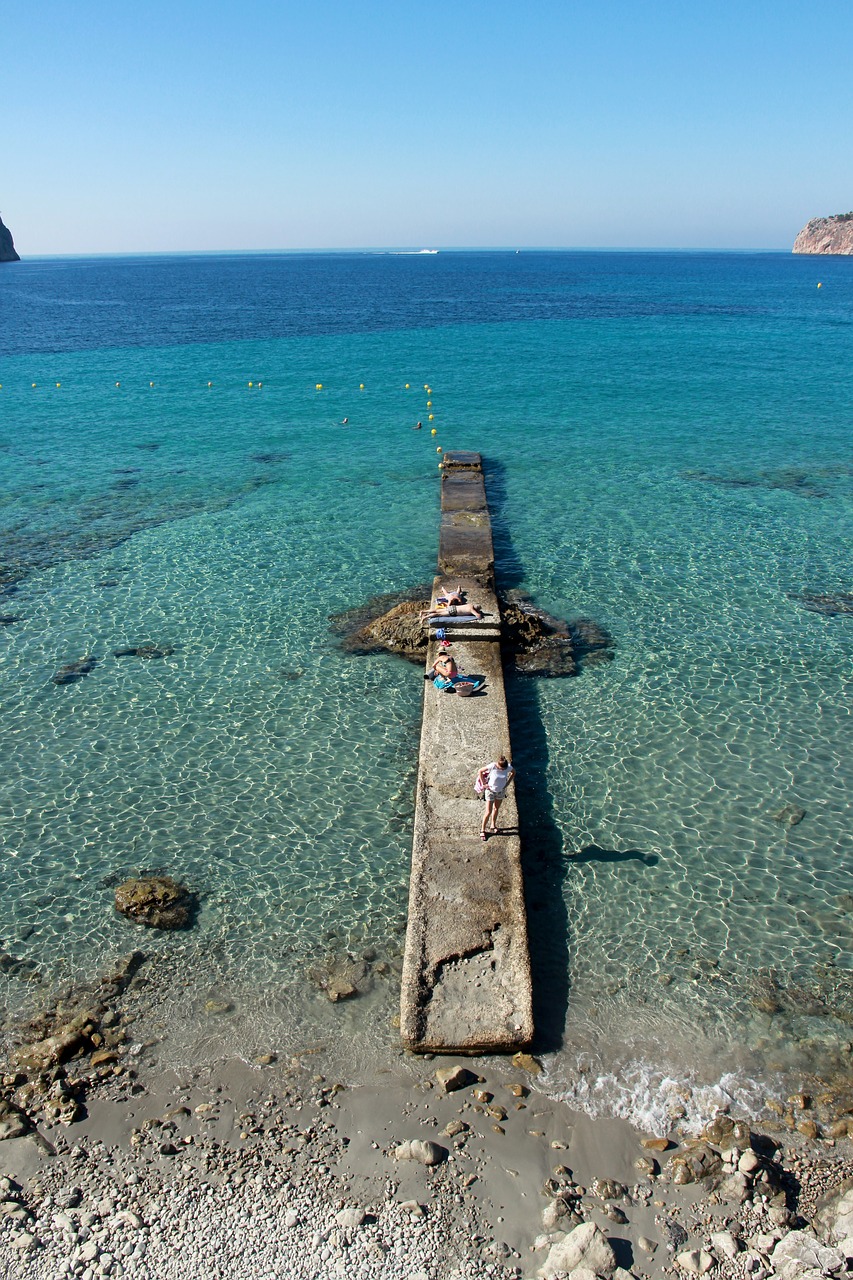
[
  {"x": 7, "y": 247},
  {"x": 826, "y": 235}
]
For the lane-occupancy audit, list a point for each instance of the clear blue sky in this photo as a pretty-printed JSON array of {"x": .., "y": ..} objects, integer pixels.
[{"x": 274, "y": 124}]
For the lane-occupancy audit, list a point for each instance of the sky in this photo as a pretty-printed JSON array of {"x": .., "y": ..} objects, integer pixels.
[{"x": 282, "y": 124}]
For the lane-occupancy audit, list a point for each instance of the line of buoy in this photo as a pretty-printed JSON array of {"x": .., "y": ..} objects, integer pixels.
[{"x": 318, "y": 386}]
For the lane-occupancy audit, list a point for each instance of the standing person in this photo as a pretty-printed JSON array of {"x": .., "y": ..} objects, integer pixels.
[{"x": 495, "y": 778}]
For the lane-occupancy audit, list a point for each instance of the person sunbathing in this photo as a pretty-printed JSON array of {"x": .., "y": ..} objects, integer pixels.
[
  {"x": 451, "y": 611},
  {"x": 446, "y": 674}
]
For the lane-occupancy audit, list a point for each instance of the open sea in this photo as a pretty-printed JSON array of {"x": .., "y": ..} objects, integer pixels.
[{"x": 668, "y": 449}]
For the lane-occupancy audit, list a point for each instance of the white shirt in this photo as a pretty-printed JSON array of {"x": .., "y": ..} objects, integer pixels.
[{"x": 498, "y": 778}]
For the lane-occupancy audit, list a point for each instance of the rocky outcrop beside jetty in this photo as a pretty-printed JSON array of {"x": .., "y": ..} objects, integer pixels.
[
  {"x": 7, "y": 246},
  {"x": 826, "y": 235},
  {"x": 534, "y": 643}
]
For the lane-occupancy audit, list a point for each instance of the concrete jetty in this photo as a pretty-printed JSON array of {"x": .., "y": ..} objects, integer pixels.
[{"x": 466, "y": 973}]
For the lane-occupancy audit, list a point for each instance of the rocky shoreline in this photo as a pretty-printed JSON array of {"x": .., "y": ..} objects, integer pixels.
[{"x": 429, "y": 1169}]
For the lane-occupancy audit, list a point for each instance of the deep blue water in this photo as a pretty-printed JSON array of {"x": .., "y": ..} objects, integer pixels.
[{"x": 668, "y": 450}]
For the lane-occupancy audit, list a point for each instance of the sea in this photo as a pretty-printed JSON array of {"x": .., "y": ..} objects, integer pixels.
[{"x": 218, "y": 455}]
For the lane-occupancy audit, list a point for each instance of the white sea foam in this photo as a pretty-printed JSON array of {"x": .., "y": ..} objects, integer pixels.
[{"x": 652, "y": 1100}]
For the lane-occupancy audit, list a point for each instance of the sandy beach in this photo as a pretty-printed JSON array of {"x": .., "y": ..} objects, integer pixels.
[{"x": 430, "y": 1169}]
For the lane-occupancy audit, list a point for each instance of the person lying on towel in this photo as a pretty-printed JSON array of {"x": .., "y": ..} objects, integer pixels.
[{"x": 463, "y": 613}]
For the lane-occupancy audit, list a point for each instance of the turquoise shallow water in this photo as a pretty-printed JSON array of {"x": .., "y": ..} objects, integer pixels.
[{"x": 667, "y": 443}]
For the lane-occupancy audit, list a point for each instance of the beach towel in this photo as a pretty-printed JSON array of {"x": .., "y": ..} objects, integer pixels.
[{"x": 460, "y": 617}]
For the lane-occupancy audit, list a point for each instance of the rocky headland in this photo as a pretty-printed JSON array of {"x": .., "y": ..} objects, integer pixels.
[
  {"x": 7, "y": 246},
  {"x": 826, "y": 235}
]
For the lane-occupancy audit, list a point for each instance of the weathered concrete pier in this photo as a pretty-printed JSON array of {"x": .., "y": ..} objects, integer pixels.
[{"x": 466, "y": 974}]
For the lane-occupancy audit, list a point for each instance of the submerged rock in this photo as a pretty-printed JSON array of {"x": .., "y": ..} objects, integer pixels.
[
  {"x": 553, "y": 656},
  {"x": 341, "y": 977},
  {"x": 73, "y": 671},
  {"x": 18, "y": 967},
  {"x": 789, "y": 815},
  {"x": 825, "y": 603},
  {"x": 145, "y": 651},
  {"x": 156, "y": 901},
  {"x": 805, "y": 484},
  {"x": 7, "y": 619}
]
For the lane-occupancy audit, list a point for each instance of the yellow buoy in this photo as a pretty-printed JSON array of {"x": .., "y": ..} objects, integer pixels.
[
  {"x": 318, "y": 387},
  {"x": 210, "y": 384},
  {"x": 118, "y": 384},
  {"x": 151, "y": 384},
  {"x": 361, "y": 386},
  {"x": 34, "y": 386},
  {"x": 819, "y": 285},
  {"x": 251, "y": 384},
  {"x": 438, "y": 448},
  {"x": 59, "y": 384},
  {"x": 407, "y": 386},
  {"x": 426, "y": 386},
  {"x": 430, "y": 417},
  {"x": 260, "y": 384},
  {"x": 434, "y": 432},
  {"x": 429, "y": 404}
]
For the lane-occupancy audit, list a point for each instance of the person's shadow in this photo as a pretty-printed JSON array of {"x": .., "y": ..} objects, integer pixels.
[{"x": 594, "y": 853}]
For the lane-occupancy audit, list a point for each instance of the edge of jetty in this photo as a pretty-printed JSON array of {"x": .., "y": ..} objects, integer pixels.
[{"x": 466, "y": 985}]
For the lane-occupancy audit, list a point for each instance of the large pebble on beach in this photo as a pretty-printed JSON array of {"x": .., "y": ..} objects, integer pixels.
[
  {"x": 834, "y": 1217},
  {"x": 452, "y": 1078},
  {"x": 696, "y": 1262},
  {"x": 351, "y": 1217},
  {"x": 13, "y": 1123},
  {"x": 428, "y": 1153},
  {"x": 724, "y": 1244},
  {"x": 695, "y": 1163},
  {"x": 156, "y": 901},
  {"x": 585, "y": 1246},
  {"x": 800, "y": 1252}
]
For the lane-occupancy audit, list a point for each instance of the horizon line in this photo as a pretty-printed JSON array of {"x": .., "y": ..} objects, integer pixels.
[{"x": 395, "y": 250}]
